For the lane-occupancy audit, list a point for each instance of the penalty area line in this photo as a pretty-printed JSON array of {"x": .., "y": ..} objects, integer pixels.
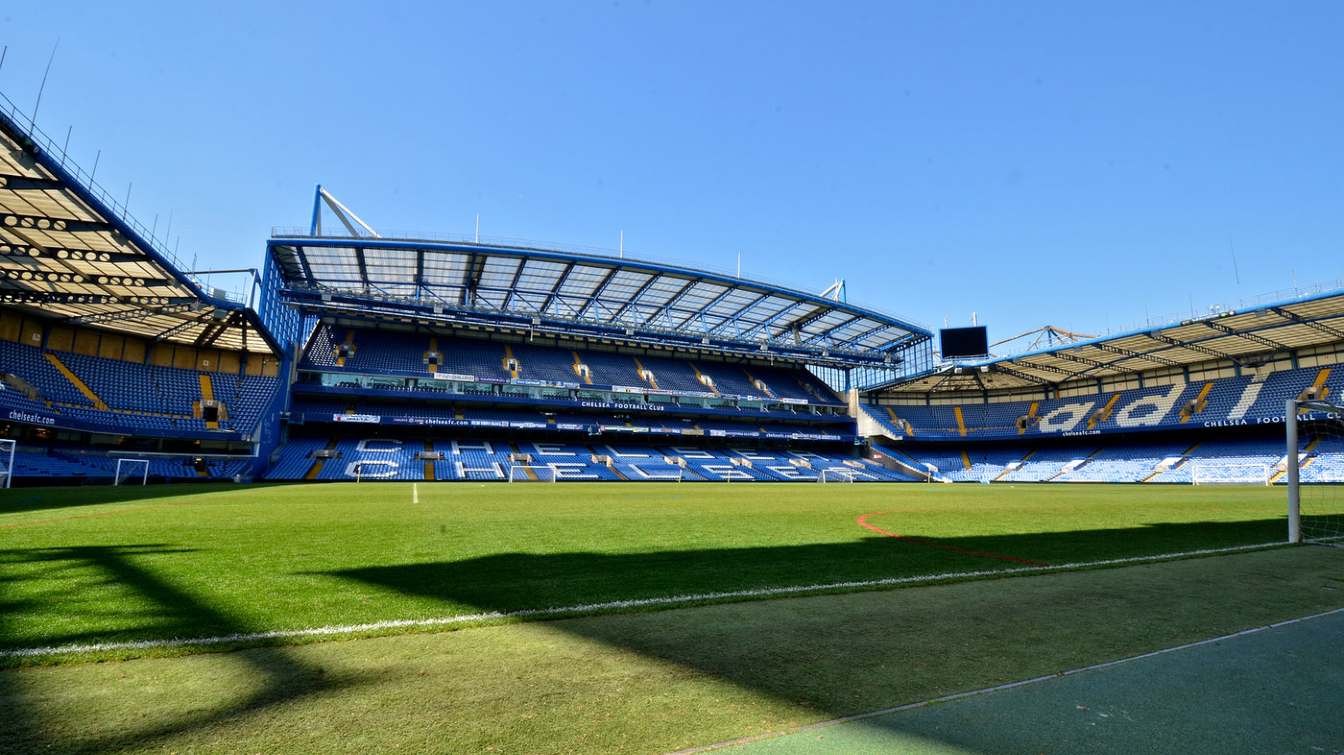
[
  {"x": 1002, "y": 687},
  {"x": 584, "y": 609}
]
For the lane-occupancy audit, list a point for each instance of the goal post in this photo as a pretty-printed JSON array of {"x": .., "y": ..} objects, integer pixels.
[
  {"x": 1314, "y": 471},
  {"x": 1213, "y": 472},
  {"x": 532, "y": 473},
  {"x": 6, "y": 462},
  {"x": 837, "y": 474},
  {"x": 128, "y": 469}
]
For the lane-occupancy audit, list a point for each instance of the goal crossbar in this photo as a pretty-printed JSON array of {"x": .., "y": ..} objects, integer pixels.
[
  {"x": 130, "y": 466},
  {"x": 842, "y": 474},
  {"x": 523, "y": 469},
  {"x": 1207, "y": 472}
]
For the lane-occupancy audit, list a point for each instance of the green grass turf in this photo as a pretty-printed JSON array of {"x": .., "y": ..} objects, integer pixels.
[
  {"x": 658, "y": 681},
  {"x": 86, "y": 565}
]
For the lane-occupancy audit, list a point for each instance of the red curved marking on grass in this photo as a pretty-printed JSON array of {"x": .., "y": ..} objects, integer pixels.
[{"x": 929, "y": 543}]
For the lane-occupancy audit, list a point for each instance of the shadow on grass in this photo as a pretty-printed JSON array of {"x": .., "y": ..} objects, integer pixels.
[
  {"x": 515, "y": 581},
  {"x": 280, "y": 677},
  {"x": 806, "y": 661},
  {"x": 20, "y": 500}
]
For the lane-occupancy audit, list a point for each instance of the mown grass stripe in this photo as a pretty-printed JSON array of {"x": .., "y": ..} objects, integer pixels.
[{"x": 613, "y": 606}]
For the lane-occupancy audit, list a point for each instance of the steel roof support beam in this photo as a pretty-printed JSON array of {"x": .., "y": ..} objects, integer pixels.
[
  {"x": 1137, "y": 354},
  {"x": 827, "y": 333},
  {"x": 807, "y": 319},
  {"x": 735, "y": 316},
  {"x": 363, "y": 268},
  {"x": 471, "y": 278},
  {"x": 1094, "y": 364},
  {"x": 420, "y": 286},
  {"x": 15, "y": 182},
  {"x": 1198, "y": 348},
  {"x": 634, "y": 298},
  {"x": 181, "y": 327},
  {"x": 1319, "y": 327},
  {"x": 764, "y": 326},
  {"x": 700, "y": 313},
  {"x": 19, "y": 251},
  {"x": 128, "y": 314},
  {"x": 597, "y": 292},
  {"x": 681, "y": 292},
  {"x": 876, "y": 329},
  {"x": 214, "y": 330},
  {"x": 1255, "y": 338},
  {"x": 560, "y": 281},
  {"x": 513, "y": 285},
  {"x": 13, "y": 222},
  {"x": 1020, "y": 375}
]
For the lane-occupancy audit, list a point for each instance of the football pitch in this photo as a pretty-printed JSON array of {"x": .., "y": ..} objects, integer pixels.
[{"x": 785, "y": 607}]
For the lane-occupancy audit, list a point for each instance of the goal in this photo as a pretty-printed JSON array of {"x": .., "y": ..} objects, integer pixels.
[
  {"x": 1216, "y": 472},
  {"x": 837, "y": 474},
  {"x": 532, "y": 473},
  {"x": 1315, "y": 431},
  {"x": 129, "y": 469},
  {"x": 6, "y": 462}
]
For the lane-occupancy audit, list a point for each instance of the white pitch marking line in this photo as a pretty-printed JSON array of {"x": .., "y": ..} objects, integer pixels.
[
  {"x": 589, "y": 608},
  {"x": 415, "y": 493},
  {"x": 1006, "y": 686}
]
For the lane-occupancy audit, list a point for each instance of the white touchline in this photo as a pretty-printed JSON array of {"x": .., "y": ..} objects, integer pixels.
[
  {"x": 415, "y": 493},
  {"x": 587, "y": 608},
  {"x": 1002, "y": 687}
]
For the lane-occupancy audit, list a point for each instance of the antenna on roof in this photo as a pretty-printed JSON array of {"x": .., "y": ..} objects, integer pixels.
[
  {"x": 622, "y": 246},
  {"x": 3, "y": 50},
  {"x": 32, "y": 121},
  {"x": 739, "y": 264},
  {"x": 478, "y": 228}
]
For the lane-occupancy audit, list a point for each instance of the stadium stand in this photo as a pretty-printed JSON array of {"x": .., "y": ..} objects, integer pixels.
[
  {"x": 410, "y": 359},
  {"x": 133, "y": 397}
]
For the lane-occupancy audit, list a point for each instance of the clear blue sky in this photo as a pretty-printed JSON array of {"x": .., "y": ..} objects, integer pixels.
[{"x": 1067, "y": 163}]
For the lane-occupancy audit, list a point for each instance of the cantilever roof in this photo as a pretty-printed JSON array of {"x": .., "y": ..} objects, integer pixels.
[
  {"x": 1238, "y": 336},
  {"x": 68, "y": 250},
  {"x": 634, "y": 296}
]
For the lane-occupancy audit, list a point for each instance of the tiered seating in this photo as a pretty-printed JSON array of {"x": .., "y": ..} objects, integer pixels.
[
  {"x": 70, "y": 463},
  {"x": 1128, "y": 463},
  {"x": 401, "y": 353},
  {"x": 28, "y": 363},
  {"x": 1045, "y": 465},
  {"x": 1223, "y": 459},
  {"x": 1325, "y": 463},
  {"x": 138, "y": 397},
  {"x": 1226, "y": 459},
  {"x": 1224, "y": 401},
  {"x": 483, "y": 460}
]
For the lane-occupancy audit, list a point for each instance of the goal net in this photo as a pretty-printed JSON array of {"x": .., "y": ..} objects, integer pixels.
[
  {"x": 131, "y": 472},
  {"x": 6, "y": 462},
  {"x": 1316, "y": 482},
  {"x": 837, "y": 474},
  {"x": 1216, "y": 472},
  {"x": 532, "y": 473}
]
